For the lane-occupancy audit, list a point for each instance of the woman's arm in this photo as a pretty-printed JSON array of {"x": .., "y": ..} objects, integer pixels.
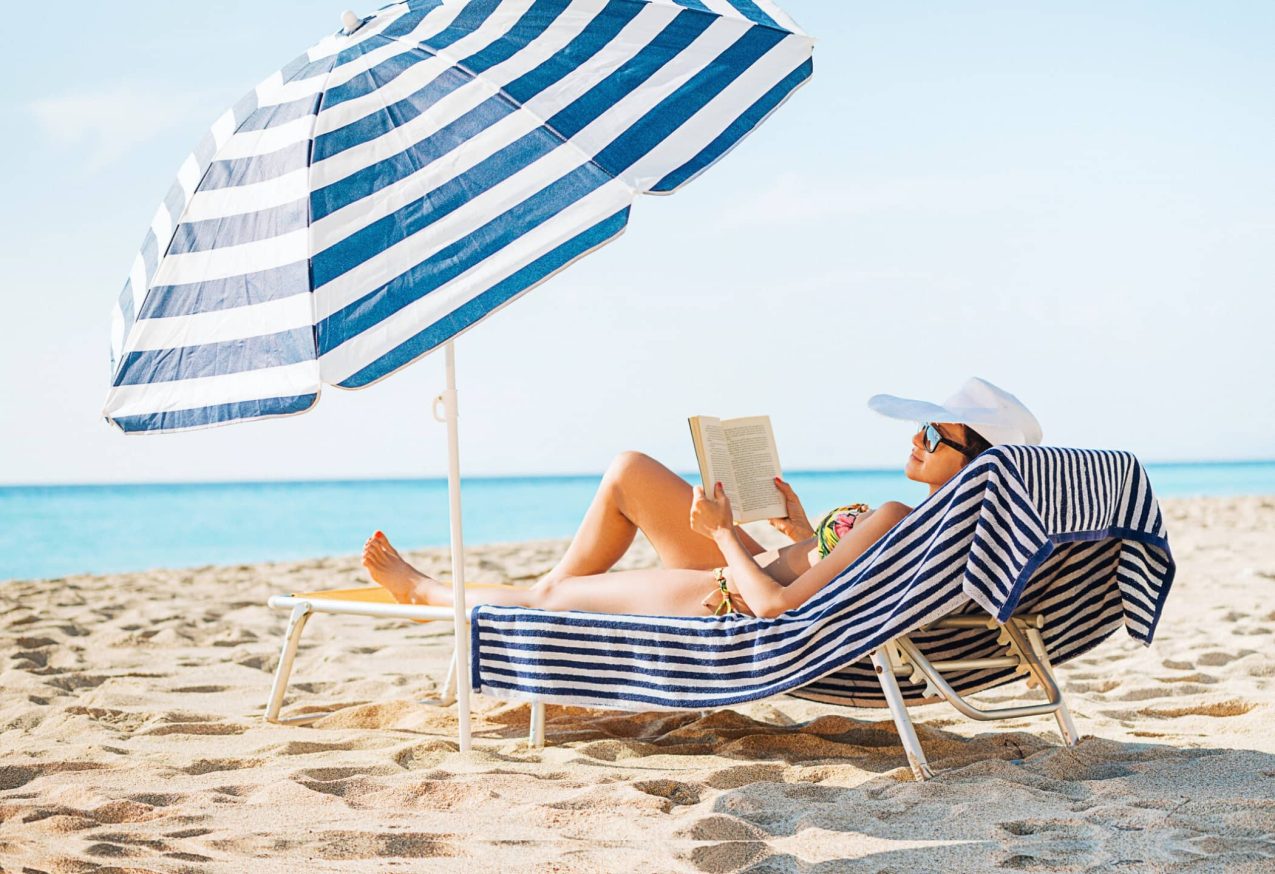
[
  {"x": 853, "y": 544},
  {"x": 764, "y": 595}
]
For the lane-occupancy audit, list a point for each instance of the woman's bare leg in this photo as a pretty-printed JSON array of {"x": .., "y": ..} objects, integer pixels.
[
  {"x": 638, "y": 492},
  {"x": 656, "y": 592}
]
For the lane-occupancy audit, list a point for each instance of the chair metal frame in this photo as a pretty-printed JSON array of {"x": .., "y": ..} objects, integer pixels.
[{"x": 1024, "y": 652}]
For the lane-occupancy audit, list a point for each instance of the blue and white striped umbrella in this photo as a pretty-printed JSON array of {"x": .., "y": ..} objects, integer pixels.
[{"x": 413, "y": 173}]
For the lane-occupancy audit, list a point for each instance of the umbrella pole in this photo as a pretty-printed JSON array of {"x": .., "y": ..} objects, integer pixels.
[{"x": 461, "y": 626}]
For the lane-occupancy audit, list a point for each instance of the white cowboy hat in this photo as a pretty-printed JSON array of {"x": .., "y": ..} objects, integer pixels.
[{"x": 994, "y": 413}]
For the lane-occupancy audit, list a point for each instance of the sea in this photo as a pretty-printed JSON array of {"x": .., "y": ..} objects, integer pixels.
[{"x": 58, "y": 530}]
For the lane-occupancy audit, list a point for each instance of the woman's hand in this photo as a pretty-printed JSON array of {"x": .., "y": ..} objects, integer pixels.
[
  {"x": 710, "y": 515},
  {"x": 796, "y": 526}
]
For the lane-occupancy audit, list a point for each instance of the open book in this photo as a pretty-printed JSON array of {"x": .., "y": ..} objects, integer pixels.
[{"x": 741, "y": 455}]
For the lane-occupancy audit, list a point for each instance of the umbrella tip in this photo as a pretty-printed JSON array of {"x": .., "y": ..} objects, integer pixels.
[{"x": 350, "y": 22}]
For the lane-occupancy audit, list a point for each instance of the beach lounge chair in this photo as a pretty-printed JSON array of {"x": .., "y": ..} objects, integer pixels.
[{"x": 1029, "y": 557}]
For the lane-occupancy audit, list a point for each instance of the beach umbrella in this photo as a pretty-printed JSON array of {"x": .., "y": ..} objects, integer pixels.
[{"x": 409, "y": 175}]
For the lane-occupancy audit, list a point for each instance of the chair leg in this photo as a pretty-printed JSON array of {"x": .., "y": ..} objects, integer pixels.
[
  {"x": 536, "y": 738},
  {"x": 902, "y": 722},
  {"x": 291, "y": 638},
  {"x": 1066, "y": 727},
  {"x": 447, "y": 697}
]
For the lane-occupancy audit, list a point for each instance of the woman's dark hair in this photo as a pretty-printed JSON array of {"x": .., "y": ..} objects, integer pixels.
[{"x": 974, "y": 443}]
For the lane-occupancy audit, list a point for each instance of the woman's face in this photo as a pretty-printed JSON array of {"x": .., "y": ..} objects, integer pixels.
[{"x": 937, "y": 467}]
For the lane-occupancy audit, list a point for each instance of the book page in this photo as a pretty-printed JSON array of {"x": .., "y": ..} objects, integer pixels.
[
  {"x": 754, "y": 462},
  {"x": 715, "y": 463}
]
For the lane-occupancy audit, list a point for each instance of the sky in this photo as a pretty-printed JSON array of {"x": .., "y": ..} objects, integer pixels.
[{"x": 1074, "y": 201}]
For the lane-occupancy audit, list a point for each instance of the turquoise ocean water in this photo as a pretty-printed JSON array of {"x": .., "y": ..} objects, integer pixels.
[{"x": 53, "y": 531}]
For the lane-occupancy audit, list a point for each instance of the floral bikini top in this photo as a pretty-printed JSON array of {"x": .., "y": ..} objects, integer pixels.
[{"x": 834, "y": 525}]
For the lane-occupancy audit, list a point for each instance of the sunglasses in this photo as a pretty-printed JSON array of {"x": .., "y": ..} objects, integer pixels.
[{"x": 931, "y": 438}]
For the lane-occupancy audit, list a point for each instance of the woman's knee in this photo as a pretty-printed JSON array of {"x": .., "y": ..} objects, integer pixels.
[{"x": 630, "y": 463}]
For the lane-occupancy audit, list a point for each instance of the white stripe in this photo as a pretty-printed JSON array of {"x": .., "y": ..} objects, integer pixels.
[
  {"x": 336, "y": 226},
  {"x": 783, "y": 19},
  {"x": 434, "y": 23},
  {"x": 387, "y": 263},
  {"x": 718, "y": 114},
  {"x": 340, "y": 41},
  {"x": 219, "y": 326},
  {"x": 702, "y": 52},
  {"x": 189, "y": 175},
  {"x": 162, "y": 228},
  {"x": 138, "y": 280},
  {"x": 223, "y": 129},
  {"x": 249, "y": 143},
  {"x": 179, "y": 269},
  {"x": 419, "y": 75},
  {"x": 209, "y": 203},
  {"x": 117, "y": 333},
  {"x": 268, "y": 89},
  {"x": 206, "y": 391},
  {"x": 724, "y": 9},
  {"x": 631, "y": 39},
  {"x": 354, "y": 355},
  {"x": 272, "y": 90}
]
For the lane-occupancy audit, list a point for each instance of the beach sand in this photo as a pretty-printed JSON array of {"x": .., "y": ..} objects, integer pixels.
[{"x": 131, "y": 739}]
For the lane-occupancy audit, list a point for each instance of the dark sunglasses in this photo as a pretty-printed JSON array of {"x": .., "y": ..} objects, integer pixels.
[{"x": 931, "y": 438}]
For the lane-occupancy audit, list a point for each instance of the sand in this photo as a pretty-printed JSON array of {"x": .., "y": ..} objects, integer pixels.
[{"x": 131, "y": 739}]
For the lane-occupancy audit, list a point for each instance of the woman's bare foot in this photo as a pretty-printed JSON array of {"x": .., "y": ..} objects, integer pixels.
[{"x": 389, "y": 569}]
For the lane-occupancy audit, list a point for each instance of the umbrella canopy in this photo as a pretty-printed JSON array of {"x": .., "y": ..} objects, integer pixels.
[{"x": 413, "y": 173}]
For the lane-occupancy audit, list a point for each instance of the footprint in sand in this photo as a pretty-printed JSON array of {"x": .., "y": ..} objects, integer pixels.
[
  {"x": 1233, "y": 707},
  {"x": 210, "y": 766},
  {"x": 200, "y": 728},
  {"x": 675, "y": 792},
  {"x": 1217, "y": 658},
  {"x": 1037, "y": 845},
  {"x": 727, "y": 844}
]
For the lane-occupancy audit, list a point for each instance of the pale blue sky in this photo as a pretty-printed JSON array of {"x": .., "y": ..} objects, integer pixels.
[{"x": 1075, "y": 201}]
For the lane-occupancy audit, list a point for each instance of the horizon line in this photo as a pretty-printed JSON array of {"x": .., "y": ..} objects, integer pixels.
[{"x": 524, "y": 476}]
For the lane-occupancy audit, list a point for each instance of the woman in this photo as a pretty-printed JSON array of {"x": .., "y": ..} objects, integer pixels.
[{"x": 710, "y": 565}]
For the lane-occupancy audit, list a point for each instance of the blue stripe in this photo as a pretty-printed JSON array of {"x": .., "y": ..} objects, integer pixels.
[
  {"x": 534, "y": 22},
  {"x": 753, "y": 12},
  {"x": 178, "y": 420},
  {"x": 278, "y": 114},
  {"x": 566, "y": 123},
  {"x": 233, "y": 291},
  {"x": 575, "y": 54},
  {"x": 380, "y": 235},
  {"x": 175, "y": 202},
  {"x": 294, "y": 66},
  {"x": 245, "y": 107},
  {"x": 667, "y": 44},
  {"x": 258, "y": 168},
  {"x": 454, "y": 259},
  {"x": 150, "y": 255},
  {"x": 673, "y": 111},
  {"x": 126, "y": 306},
  {"x": 469, "y": 313},
  {"x": 471, "y": 18},
  {"x": 235, "y": 230},
  {"x": 737, "y": 130},
  {"x": 205, "y": 150},
  {"x": 363, "y": 183},
  {"x": 387, "y": 118},
  {"x": 216, "y": 359}
]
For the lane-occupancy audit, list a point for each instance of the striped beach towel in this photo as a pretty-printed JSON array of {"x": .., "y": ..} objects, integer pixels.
[{"x": 1074, "y": 534}]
